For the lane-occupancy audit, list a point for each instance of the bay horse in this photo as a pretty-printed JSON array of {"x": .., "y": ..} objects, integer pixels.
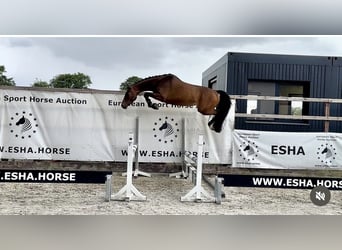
[{"x": 170, "y": 89}]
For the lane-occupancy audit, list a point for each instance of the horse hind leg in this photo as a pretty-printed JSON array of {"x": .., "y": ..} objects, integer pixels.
[
  {"x": 215, "y": 123},
  {"x": 212, "y": 118},
  {"x": 215, "y": 120},
  {"x": 211, "y": 123},
  {"x": 217, "y": 126},
  {"x": 222, "y": 111}
]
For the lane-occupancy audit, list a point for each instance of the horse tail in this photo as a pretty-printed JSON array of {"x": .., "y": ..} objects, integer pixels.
[{"x": 222, "y": 110}]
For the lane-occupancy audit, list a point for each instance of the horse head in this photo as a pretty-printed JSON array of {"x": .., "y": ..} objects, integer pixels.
[
  {"x": 26, "y": 124},
  {"x": 20, "y": 121},
  {"x": 168, "y": 129},
  {"x": 249, "y": 150},
  {"x": 327, "y": 152},
  {"x": 130, "y": 97},
  {"x": 164, "y": 126}
]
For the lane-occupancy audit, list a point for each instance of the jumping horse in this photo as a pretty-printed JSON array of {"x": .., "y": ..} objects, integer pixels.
[{"x": 170, "y": 89}]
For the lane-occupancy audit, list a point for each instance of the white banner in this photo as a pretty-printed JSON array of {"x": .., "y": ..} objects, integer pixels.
[
  {"x": 258, "y": 149},
  {"x": 86, "y": 126},
  {"x": 166, "y": 133}
]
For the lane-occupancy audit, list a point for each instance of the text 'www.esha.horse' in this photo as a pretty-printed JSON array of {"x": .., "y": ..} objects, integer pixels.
[{"x": 170, "y": 89}]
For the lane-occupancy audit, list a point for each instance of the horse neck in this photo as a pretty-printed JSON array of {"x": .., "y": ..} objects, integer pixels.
[
  {"x": 141, "y": 87},
  {"x": 149, "y": 84}
]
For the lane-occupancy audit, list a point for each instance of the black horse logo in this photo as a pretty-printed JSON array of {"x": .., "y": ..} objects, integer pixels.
[
  {"x": 249, "y": 150},
  {"x": 327, "y": 152},
  {"x": 26, "y": 124},
  {"x": 168, "y": 129}
]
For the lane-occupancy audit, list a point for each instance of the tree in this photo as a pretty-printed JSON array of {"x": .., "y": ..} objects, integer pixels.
[
  {"x": 72, "y": 81},
  {"x": 129, "y": 82},
  {"x": 4, "y": 80},
  {"x": 40, "y": 84}
]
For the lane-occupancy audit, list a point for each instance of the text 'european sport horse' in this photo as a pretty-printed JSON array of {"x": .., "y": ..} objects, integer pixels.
[{"x": 170, "y": 89}]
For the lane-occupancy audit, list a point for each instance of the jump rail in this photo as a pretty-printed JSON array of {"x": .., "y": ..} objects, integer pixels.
[
  {"x": 326, "y": 118},
  {"x": 56, "y": 176}
]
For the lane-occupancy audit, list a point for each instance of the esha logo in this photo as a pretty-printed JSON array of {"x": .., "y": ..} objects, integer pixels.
[
  {"x": 166, "y": 130},
  {"x": 326, "y": 153},
  {"x": 248, "y": 151},
  {"x": 23, "y": 125}
]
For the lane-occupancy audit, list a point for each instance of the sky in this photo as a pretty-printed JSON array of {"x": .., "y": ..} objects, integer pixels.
[
  {"x": 109, "y": 61},
  {"x": 121, "y": 38},
  {"x": 163, "y": 17}
]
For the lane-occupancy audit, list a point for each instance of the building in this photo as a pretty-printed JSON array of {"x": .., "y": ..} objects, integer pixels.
[{"x": 279, "y": 75}]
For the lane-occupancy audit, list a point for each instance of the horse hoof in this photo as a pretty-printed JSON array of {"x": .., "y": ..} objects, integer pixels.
[
  {"x": 155, "y": 106},
  {"x": 217, "y": 130},
  {"x": 211, "y": 126}
]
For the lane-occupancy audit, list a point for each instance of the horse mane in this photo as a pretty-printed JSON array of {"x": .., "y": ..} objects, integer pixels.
[{"x": 151, "y": 78}]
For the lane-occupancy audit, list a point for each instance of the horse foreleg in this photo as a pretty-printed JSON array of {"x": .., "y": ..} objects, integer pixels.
[{"x": 150, "y": 104}]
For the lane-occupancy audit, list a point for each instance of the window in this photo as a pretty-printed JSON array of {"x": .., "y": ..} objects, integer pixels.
[
  {"x": 278, "y": 88},
  {"x": 261, "y": 89},
  {"x": 212, "y": 83},
  {"x": 291, "y": 107}
]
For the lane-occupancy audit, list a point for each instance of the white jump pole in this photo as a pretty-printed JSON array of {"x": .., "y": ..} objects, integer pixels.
[
  {"x": 108, "y": 189},
  {"x": 184, "y": 173},
  {"x": 197, "y": 193},
  {"x": 137, "y": 171},
  {"x": 129, "y": 192}
]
